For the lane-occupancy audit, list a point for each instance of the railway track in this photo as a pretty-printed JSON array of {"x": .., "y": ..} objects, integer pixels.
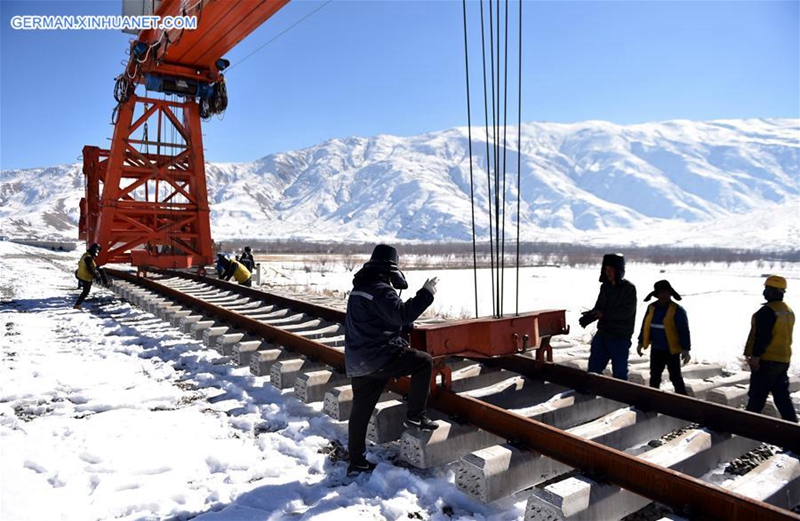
[{"x": 585, "y": 446}]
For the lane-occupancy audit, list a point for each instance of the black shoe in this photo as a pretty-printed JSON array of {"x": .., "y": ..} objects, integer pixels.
[
  {"x": 421, "y": 422},
  {"x": 358, "y": 467}
]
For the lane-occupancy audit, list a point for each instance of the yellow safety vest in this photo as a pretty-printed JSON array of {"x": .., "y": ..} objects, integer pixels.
[
  {"x": 241, "y": 274},
  {"x": 83, "y": 272},
  {"x": 779, "y": 348},
  {"x": 669, "y": 328}
]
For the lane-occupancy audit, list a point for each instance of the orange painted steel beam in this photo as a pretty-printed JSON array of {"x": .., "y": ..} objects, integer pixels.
[
  {"x": 490, "y": 336},
  {"x": 222, "y": 24}
]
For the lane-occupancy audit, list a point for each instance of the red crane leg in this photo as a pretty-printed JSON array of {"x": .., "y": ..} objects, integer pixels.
[{"x": 147, "y": 202}]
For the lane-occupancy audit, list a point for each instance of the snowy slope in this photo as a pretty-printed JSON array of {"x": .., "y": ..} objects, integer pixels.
[{"x": 701, "y": 183}]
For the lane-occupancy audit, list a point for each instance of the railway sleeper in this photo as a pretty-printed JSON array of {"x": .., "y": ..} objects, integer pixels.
[
  {"x": 700, "y": 388},
  {"x": 283, "y": 373},
  {"x": 775, "y": 481},
  {"x": 452, "y": 440},
  {"x": 312, "y": 386},
  {"x": 386, "y": 422},
  {"x": 262, "y": 361},
  {"x": 580, "y": 497},
  {"x": 736, "y": 396},
  {"x": 338, "y": 402},
  {"x": 690, "y": 371},
  {"x": 499, "y": 471}
]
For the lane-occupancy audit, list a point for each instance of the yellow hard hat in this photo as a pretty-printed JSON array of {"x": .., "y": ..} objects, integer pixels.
[{"x": 775, "y": 281}]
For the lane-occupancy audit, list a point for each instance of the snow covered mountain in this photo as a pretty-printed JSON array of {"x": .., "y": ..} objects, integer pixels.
[{"x": 729, "y": 183}]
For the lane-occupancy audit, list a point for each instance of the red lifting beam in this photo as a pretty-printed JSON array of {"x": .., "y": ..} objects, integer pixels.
[{"x": 490, "y": 337}]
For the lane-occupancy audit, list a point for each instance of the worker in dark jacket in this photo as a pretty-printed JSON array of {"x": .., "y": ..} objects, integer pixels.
[
  {"x": 88, "y": 272},
  {"x": 375, "y": 350},
  {"x": 666, "y": 328},
  {"x": 235, "y": 269},
  {"x": 615, "y": 311},
  {"x": 769, "y": 350},
  {"x": 247, "y": 260}
]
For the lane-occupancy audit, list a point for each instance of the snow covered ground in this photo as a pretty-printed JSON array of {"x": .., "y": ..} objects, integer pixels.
[
  {"x": 110, "y": 413},
  {"x": 719, "y": 298}
]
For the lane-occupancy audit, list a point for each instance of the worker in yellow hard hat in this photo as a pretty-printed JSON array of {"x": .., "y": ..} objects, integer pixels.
[{"x": 769, "y": 350}]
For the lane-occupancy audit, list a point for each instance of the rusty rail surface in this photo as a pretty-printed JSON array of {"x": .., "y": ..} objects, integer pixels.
[
  {"x": 682, "y": 492},
  {"x": 714, "y": 416}
]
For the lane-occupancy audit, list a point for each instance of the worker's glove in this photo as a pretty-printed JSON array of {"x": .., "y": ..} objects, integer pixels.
[
  {"x": 686, "y": 357},
  {"x": 587, "y": 317},
  {"x": 640, "y": 350},
  {"x": 430, "y": 285},
  {"x": 754, "y": 362}
]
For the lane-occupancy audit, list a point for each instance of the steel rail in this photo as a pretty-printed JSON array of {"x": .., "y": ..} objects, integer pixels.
[
  {"x": 714, "y": 416},
  {"x": 309, "y": 348},
  {"x": 682, "y": 492},
  {"x": 688, "y": 495},
  {"x": 329, "y": 314}
]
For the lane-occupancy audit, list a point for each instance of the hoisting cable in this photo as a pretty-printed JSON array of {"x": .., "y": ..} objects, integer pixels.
[
  {"x": 471, "y": 183},
  {"x": 519, "y": 148},
  {"x": 496, "y": 147},
  {"x": 505, "y": 149},
  {"x": 488, "y": 158},
  {"x": 280, "y": 34}
]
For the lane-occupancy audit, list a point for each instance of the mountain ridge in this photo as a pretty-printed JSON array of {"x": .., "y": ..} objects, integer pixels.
[{"x": 677, "y": 181}]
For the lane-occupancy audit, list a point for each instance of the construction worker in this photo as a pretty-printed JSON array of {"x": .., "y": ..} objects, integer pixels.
[
  {"x": 666, "y": 328},
  {"x": 769, "y": 350},
  {"x": 247, "y": 260},
  {"x": 615, "y": 311},
  {"x": 235, "y": 269},
  {"x": 88, "y": 272},
  {"x": 375, "y": 351}
]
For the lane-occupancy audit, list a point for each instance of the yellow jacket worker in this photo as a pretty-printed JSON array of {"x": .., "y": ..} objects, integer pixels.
[
  {"x": 769, "y": 350},
  {"x": 88, "y": 272},
  {"x": 235, "y": 269}
]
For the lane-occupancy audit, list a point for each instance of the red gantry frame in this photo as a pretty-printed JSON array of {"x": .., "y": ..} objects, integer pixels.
[{"x": 146, "y": 200}]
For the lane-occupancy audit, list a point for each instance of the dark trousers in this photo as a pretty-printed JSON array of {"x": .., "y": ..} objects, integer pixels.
[
  {"x": 771, "y": 377},
  {"x": 367, "y": 391},
  {"x": 86, "y": 287},
  {"x": 615, "y": 349},
  {"x": 659, "y": 358},
  {"x": 248, "y": 282}
]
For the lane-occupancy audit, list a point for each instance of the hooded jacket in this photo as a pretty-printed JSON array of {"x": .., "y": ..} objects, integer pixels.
[
  {"x": 617, "y": 302},
  {"x": 375, "y": 318}
]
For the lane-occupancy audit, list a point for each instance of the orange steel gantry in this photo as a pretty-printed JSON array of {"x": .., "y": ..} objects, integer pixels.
[{"x": 146, "y": 201}]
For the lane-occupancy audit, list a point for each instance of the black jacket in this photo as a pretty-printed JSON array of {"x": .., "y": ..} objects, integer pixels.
[
  {"x": 617, "y": 302},
  {"x": 374, "y": 321},
  {"x": 247, "y": 260}
]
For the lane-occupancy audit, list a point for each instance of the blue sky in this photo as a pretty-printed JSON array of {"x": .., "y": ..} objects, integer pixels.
[{"x": 397, "y": 67}]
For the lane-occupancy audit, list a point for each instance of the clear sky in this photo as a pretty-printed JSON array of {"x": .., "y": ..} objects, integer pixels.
[{"x": 397, "y": 67}]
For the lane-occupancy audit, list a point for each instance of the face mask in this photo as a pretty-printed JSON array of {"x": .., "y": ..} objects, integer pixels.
[{"x": 398, "y": 280}]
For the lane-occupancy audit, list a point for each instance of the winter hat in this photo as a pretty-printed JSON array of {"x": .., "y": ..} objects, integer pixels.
[
  {"x": 384, "y": 258},
  {"x": 660, "y": 286},
  {"x": 616, "y": 261},
  {"x": 775, "y": 281}
]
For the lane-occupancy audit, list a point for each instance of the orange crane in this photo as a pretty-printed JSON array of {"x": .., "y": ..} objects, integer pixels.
[{"x": 146, "y": 201}]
